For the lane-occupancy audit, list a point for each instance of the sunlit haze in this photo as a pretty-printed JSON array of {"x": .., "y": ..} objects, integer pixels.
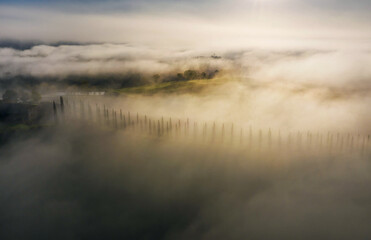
[{"x": 185, "y": 120}]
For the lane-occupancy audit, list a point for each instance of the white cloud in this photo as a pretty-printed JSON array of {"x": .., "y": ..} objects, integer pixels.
[{"x": 229, "y": 23}]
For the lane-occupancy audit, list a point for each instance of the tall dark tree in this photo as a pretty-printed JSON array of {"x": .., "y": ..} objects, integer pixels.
[
  {"x": 62, "y": 104},
  {"x": 190, "y": 75},
  {"x": 55, "y": 113}
]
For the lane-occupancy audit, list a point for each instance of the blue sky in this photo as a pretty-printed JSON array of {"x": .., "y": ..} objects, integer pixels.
[
  {"x": 165, "y": 21},
  {"x": 321, "y": 5}
]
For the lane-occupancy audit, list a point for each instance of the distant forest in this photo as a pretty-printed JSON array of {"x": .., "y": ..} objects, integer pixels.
[{"x": 103, "y": 81}]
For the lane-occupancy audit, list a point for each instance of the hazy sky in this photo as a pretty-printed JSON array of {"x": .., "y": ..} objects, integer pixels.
[{"x": 217, "y": 23}]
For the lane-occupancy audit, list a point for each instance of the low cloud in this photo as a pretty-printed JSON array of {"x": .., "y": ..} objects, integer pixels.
[
  {"x": 80, "y": 182},
  {"x": 95, "y": 59},
  {"x": 287, "y": 89},
  {"x": 317, "y": 68}
]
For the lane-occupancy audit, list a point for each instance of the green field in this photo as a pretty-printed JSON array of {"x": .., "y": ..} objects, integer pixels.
[{"x": 192, "y": 86}]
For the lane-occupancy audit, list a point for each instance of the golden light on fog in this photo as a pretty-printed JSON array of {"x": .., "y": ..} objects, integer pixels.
[{"x": 167, "y": 119}]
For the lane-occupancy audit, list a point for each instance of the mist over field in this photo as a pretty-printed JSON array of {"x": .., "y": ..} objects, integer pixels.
[
  {"x": 166, "y": 119},
  {"x": 295, "y": 90},
  {"x": 88, "y": 184},
  {"x": 82, "y": 181}
]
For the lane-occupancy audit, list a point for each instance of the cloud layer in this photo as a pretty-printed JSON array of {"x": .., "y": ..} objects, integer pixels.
[
  {"x": 336, "y": 69},
  {"x": 83, "y": 183},
  {"x": 295, "y": 90},
  {"x": 193, "y": 23},
  {"x": 67, "y": 60}
]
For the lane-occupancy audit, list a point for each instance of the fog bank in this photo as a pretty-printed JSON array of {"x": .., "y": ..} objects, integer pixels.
[{"x": 85, "y": 183}]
